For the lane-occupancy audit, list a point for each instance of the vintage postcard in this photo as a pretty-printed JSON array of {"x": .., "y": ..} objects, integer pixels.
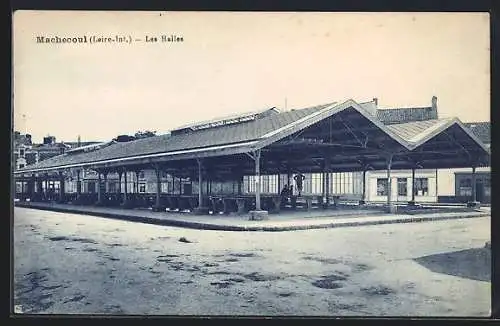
[{"x": 251, "y": 164}]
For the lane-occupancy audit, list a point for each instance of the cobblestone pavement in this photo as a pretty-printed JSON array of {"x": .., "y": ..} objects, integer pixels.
[{"x": 67, "y": 263}]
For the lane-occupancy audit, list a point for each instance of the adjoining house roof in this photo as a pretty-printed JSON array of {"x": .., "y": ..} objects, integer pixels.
[
  {"x": 403, "y": 115},
  {"x": 481, "y": 129}
]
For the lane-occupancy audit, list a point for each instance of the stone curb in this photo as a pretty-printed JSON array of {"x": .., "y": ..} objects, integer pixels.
[{"x": 218, "y": 227}]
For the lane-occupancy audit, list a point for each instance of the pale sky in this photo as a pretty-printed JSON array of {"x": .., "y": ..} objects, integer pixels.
[{"x": 238, "y": 62}]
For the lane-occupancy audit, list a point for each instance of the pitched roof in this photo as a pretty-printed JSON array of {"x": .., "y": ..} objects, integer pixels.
[
  {"x": 412, "y": 131},
  {"x": 403, "y": 115},
  {"x": 249, "y": 135},
  {"x": 481, "y": 129},
  {"x": 223, "y": 135}
]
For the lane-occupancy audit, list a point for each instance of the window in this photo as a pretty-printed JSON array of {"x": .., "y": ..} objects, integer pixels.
[
  {"x": 21, "y": 166},
  {"x": 142, "y": 187},
  {"x": 91, "y": 187},
  {"x": 382, "y": 188},
  {"x": 141, "y": 175},
  {"x": 487, "y": 186},
  {"x": 316, "y": 183},
  {"x": 16, "y": 156},
  {"x": 421, "y": 187},
  {"x": 21, "y": 152},
  {"x": 112, "y": 187},
  {"x": 273, "y": 183},
  {"x": 465, "y": 187},
  {"x": 402, "y": 187}
]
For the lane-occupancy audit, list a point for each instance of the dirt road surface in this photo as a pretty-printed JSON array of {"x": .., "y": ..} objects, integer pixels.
[{"x": 67, "y": 263}]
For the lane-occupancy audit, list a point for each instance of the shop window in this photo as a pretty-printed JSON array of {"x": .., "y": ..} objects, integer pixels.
[
  {"x": 465, "y": 187},
  {"x": 421, "y": 187},
  {"x": 487, "y": 186},
  {"x": 402, "y": 187},
  {"x": 382, "y": 187},
  {"x": 112, "y": 187}
]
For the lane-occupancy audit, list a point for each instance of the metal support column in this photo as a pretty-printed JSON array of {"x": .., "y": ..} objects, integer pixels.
[
  {"x": 437, "y": 198},
  {"x": 413, "y": 189},
  {"x": 99, "y": 188},
  {"x": 158, "y": 207},
  {"x": 257, "y": 214},
  {"x": 474, "y": 193},
  {"x": 390, "y": 206},
  {"x": 78, "y": 185},
  {"x": 200, "y": 209},
  {"x": 32, "y": 186},
  {"x": 61, "y": 187},
  {"x": 46, "y": 190},
  {"x": 125, "y": 190},
  {"x": 105, "y": 176},
  {"x": 39, "y": 190},
  {"x": 257, "y": 180},
  {"x": 200, "y": 192},
  {"x": 119, "y": 172},
  {"x": 474, "y": 203},
  {"x": 363, "y": 186},
  {"x": 136, "y": 188}
]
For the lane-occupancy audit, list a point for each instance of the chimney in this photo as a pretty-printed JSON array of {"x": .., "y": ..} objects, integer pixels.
[
  {"x": 375, "y": 101},
  {"x": 434, "y": 107},
  {"x": 49, "y": 140}
]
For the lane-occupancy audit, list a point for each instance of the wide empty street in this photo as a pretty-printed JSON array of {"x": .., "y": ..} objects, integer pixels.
[{"x": 78, "y": 264}]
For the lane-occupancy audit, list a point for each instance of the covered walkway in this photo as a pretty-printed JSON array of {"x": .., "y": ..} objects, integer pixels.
[{"x": 325, "y": 139}]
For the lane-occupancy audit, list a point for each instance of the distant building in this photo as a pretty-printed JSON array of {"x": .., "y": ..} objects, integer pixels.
[
  {"x": 26, "y": 152},
  {"x": 23, "y": 153},
  {"x": 445, "y": 185}
]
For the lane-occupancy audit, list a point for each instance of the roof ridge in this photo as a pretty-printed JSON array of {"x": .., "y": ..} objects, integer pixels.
[
  {"x": 404, "y": 108},
  {"x": 418, "y": 121}
]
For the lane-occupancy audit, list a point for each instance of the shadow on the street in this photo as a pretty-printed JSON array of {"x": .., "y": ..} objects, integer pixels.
[{"x": 474, "y": 263}]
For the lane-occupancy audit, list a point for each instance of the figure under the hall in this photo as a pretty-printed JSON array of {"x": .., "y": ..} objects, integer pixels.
[{"x": 299, "y": 179}]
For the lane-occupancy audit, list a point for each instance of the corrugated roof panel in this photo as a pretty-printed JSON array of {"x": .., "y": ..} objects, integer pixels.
[
  {"x": 417, "y": 129},
  {"x": 201, "y": 138}
]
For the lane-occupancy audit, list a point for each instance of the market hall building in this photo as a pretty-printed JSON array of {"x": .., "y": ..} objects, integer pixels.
[{"x": 261, "y": 161}]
